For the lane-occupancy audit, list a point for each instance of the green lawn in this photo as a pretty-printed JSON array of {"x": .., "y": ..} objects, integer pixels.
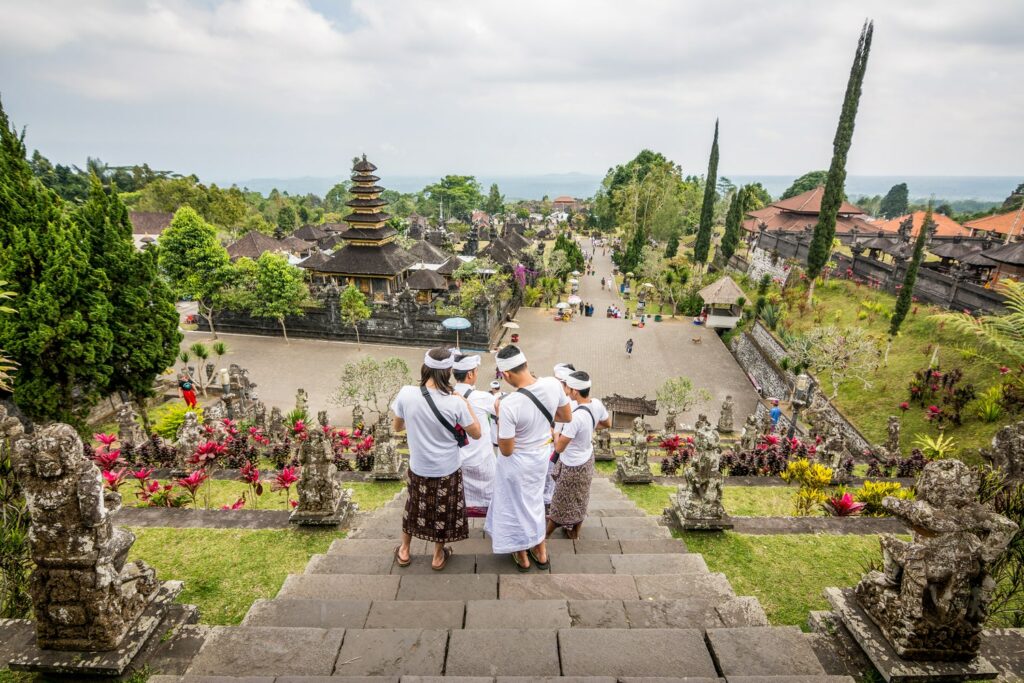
[
  {"x": 743, "y": 501},
  {"x": 786, "y": 573}
]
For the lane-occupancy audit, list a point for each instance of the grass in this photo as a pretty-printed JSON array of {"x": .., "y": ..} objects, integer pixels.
[
  {"x": 369, "y": 495},
  {"x": 838, "y": 303},
  {"x": 786, "y": 573},
  {"x": 743, "y": 501}
]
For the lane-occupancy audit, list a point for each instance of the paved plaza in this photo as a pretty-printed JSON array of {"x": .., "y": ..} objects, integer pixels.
[{"x": 597, "y": 345}]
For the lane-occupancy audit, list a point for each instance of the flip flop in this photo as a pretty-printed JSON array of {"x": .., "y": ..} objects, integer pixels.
[
  {"x": 521, "y": 568},
  {"x": 540, "y": 565},
  {"x": 399, "y": 559},
  {"x": 446, "y": 553}
]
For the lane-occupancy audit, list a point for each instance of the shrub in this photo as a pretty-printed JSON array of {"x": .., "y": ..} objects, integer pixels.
[
  {"x": 843, "y": 506},
  {"x": 813, "y": 478},
  {"x": 935, "y": 448},
  {"x": 678, "y": 452},
  {"x": 532, "y": 296},
  {"x": 771, "y": 315},
  {"x": 15, "y": 561},
  {"x": 872, "y": 493},
  {"x": 172, "y": 418},
  {"x": 990, "y": 404}
]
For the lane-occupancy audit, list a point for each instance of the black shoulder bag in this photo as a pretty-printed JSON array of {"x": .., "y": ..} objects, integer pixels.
[
  {"x": 457, "y": 431},
  {"x": 593, "y": 420}
]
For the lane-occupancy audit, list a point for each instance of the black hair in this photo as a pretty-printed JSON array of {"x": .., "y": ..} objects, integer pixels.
[
  {"x": 442, "y": 378},
  {"x": 460, "y": 375},
  {"x": 508, "y": 352},
  {"x": 583, "y": 377}
]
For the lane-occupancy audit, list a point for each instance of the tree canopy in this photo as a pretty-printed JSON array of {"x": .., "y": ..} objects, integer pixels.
[
  {"x": 278, "y": 289},
  {"x": 353, "y": 309},
  {"x": 894, "y": 204},
  {"x": 808, "y": 181},
  {"x": 702, "y": 245},
  {"x": 459, "y": 194}
]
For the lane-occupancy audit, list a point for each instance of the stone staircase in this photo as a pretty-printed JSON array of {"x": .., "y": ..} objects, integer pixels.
[{"x": 626, "y": 602}]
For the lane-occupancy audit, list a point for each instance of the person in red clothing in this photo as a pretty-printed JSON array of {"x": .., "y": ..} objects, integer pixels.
[{"x": 188, "y": 390}]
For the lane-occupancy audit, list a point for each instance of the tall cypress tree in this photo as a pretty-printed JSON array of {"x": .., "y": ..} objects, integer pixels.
[
  {"x": 907, "y": 291},
  {"x": 144, "y": 321},
  {"x": 60, "y": 338},
  {"x": 702, "y": 245},
  {"x": 825, "y": 230},
  {"x": 733, "y": 218}
]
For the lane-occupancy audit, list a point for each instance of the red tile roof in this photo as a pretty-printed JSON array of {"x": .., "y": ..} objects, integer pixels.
[
  {"x": 1011, "y": 222},
  {"x": 810, "y": 202},
  {"x": 946, "y": 226}
]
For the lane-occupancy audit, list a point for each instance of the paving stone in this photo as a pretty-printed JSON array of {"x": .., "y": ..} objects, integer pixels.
[
  {"x": 337, "y": 679},
  {"x": 349, "y": 564},
  {"x": 438, "y": 586},
  {"x": 613, "y": 512},
  {"x": 790, "y": 679},
  {"x": 471, "y": 546},
  {"x": 652, "y": 546},
  {"x": 268, "y": 651},
  {"x": 590, "y": 547},
  {"x": 597, "y": 614},
  {"x": 742, "y": 611},
  {"x": 567, "y": 587},
  {"x": 447, "y": 679},
  {"x": 763, "y": 651},
  {"x": 658, "y": 564},
  {"x": 581, "y": 564},
  {"x": 371, "y": 546},
  {"x": 680, "y": 586},
  {"x": 502, "y": 564},
  {"x": 690, "y": 613},
  {"x": 593, "y": 532},
  {"x": 339, "y": 586},
  {"x": 641, "y": 534},
  {"x": 517, "y": 614},
  {"x": 435, "y": 614},
  {"x": 628, "y": 522},
  {"x": 213, "y": 679},
  {"x": 392, "y": 652},
  {"x": 560, "y": 546},
  {"x": 311, "y": 613},
  {"x": 661, "y": 679},
  {"x": 555, "y": 679},
  {"x": 457, "y": 564},
  {"x": 483, "y": 652},
  {"x": 648, "y": 652}
]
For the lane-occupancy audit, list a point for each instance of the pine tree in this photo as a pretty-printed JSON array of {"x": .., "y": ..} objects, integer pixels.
[
  {"x": 672, "y": 246},
  {"x": 194, "y": 262},
  {"x": 731, "y": 238},
  {"x": 144, "y": 320},
  {"x": 825, "y": 230},
  {"x": 894, "y": 204},
  {"x": 702, "y": 245},
  {"x": 903, "y": 301},
  {"x": 60, "y": 338}
]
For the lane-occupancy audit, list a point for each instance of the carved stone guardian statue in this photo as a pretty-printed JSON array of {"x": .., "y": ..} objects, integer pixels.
[
  {"x": 670, "y": 421},
  {"x": 302, "y": 401},
  {"x": 750, "y": 433},
  {"x": 322, "y": 501},
  {"x": 190, "y": 435},
  {"x": 698, "y": 502},
  {"x": 357, "y": 417},
  {"x": 603, "y": 445},
  {"x": 725, "y": 419},
  {"x": 277, "y": 429},
  {"x": 387, "y": 463},
  {"x": 634, "y": 468},
  {"x": 1007, "y": 451},
  {"x": 129, "y": 433}
]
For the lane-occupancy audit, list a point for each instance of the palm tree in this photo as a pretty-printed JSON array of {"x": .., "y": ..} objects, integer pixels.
[{"x": 1003, "y": 334}]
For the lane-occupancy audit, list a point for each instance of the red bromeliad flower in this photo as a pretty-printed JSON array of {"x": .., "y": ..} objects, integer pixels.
[
  {"x": 105, "y": 439},
  {"x": 192, "y": 482},
  {"x": 250, "y": 473},
  {"x": 1003, "y": 370},
  {"x": 904, "y": 406},
  {"x": 237, "y": 505},
  {"x": 207, "y": 452},
  {"x": 843, "y": 506},
  {"x": 113, "y": 480},
  {"x": 143, "y": 474},
  {"x": 293, "y": 503},
  {"x": 298, "y": 427},
  {"x": 671, "y": 444},
  {"x": 772, "y": 439},
  {"x": 284, "y": 479},
  {"x": 107, "y": 459}
]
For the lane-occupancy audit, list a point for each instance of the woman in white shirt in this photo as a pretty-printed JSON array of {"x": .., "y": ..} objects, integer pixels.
[
  {"x": 575, "y": 468},
  {"x": 438, "y": 422}
]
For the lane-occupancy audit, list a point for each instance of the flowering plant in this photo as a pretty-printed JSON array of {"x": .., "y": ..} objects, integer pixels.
[
  {"x": 284, "y": 481},
  {"x": 193, "y": 482},
  {"x": 237, "y": 505},
  {"x": 843, "y": 506},
  {"x": 113, "y": 480},
  {"x": 251, "y": 476}
]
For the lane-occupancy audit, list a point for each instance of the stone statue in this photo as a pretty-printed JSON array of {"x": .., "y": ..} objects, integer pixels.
[
  {"x": 259, "y": 413},
  {"x": 725, "y": 419},
  {"x": 1007, "y": 451},
  {"x": 357, "y": 417},
  {"x": 85, "y": 597},
  {"x": 702, "y": 422},
  {"x": 321, "y": 498},
  {"x": 213, "y": 413},
  {"x": 892, "y": 439},
  {"x": 387, "y": 463},
  {"x": 603, "y": 444},
  {"x": 634, "y": 468},
  {"x": 407, "y": 307},
  {"x": 190, "y": 435},
  {"x": 321, "y": 418},
  {"x": 277, "y": 429},
  {"x": 302, "y": 401},
  {"x": 833, "y": 452},
  {"x": 750, "y": 433},
  {"x": 129, "y": 433},
  {"x": 670, "y": 421},
  {"x": 698, "y": 502},
  {"x": 931, "y": 599}
]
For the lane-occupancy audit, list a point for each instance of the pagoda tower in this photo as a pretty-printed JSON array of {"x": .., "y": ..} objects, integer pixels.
[{"x": 370, "y": 258}]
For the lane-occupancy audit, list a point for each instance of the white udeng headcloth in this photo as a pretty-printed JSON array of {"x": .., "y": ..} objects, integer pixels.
[
  {"x": 562, "y": 371},
  {"x": 435, "y": 364},
  {"x": 575, "y": 382},
  {"x": 506, "y": 364},
  {"x": 466, "y": 364}
]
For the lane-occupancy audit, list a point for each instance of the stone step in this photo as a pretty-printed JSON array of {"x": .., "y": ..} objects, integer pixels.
[
  {"x": 763, "y": 651},
  {"x": 471, "y": 679},
  {"x": 699, "y": 613},
  {"x": 647, "y": 529},
  {"x": 516, "y": 586},
  {"x": 561, "y": 563},
  {"x": 482, "y": 546}
]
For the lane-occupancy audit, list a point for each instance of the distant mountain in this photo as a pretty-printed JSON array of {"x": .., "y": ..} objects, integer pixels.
[{"x": 982, "y": 188}]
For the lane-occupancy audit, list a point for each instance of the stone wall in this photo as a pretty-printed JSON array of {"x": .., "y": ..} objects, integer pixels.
[{"x": 763, "y": 263}]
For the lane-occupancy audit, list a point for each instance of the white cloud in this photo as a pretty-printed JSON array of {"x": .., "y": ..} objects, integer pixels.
[{"x": 243, "y": 88}]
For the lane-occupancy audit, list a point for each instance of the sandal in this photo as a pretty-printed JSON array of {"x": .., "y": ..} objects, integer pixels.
[
  {"x": 521, "y": 568},
  {"x": 540, "y": 565},
  {"x": 398, "y": 559},
  {"x": 446, "y": 553}
]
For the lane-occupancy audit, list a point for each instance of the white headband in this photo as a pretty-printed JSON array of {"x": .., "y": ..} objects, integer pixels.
[
  {"x": 435, "y": 364},
  {"x": 466, "y": 364},
  {"x": 562, "y": 370},
  {"x": 506, "y": 364},
  {"x": 578, "y": 384}
]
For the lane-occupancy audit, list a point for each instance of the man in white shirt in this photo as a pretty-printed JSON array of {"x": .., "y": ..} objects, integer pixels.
[
  {"x": 478, "y": 456},
  {"x": 516, "y": 518}
]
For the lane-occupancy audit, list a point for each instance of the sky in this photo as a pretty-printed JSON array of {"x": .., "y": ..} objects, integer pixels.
[{"x": 238, "y": 89}]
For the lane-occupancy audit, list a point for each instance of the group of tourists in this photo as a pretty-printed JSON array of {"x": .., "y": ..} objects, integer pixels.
[{"x": 522, "y": 459}]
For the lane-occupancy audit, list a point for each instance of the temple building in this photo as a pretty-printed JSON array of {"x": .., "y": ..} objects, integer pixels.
[
  {"x": 797, "y": 213},
  {"x": 370, "y": 258}
]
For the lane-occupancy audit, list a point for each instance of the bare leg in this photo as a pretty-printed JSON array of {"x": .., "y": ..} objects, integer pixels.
[
  {"x": 523, "y": 558},
  {"x": 540, "y": 551},
  {"x": 438, "y": 555},
  {"x": 574, "y": 533},
  {"x": 404, "y": 551},
  {"x": 551, "y": 528}
]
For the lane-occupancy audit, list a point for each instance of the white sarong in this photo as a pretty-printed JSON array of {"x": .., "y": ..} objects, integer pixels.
[
  {"x": 549, "y": 482},
  {"x": 478, "y": 474},
  {"x": 515, "y": 518}
]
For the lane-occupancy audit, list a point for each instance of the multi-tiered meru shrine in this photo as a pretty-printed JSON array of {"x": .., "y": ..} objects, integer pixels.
[{"x": 370, "y": 259}]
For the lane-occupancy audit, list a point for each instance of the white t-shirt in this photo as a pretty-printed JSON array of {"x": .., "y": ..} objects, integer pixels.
[
  {"x": 522, "y": 420},
  {"x": 483, "y": 405},
  {"x": 433, "y": 451},
  {"x": 581, "y": 431}
]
